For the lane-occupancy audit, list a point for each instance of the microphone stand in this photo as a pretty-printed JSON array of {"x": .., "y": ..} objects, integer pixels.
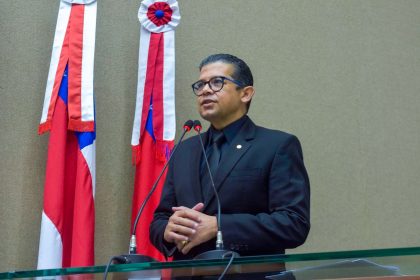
[
  {"x": 132, "y": 256},
  {"x": 219, "y": 252}
]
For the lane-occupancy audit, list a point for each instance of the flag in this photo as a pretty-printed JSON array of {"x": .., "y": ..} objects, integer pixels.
[
  {"x": 154, "y": 120},
  {"x": 68, "y": 217}
]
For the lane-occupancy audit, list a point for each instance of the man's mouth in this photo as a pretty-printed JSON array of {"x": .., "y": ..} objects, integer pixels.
[{"x": 207, "y": 101}]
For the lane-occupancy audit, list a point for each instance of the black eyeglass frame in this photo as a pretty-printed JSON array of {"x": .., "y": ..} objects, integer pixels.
[{"x": 238, "y": 83}]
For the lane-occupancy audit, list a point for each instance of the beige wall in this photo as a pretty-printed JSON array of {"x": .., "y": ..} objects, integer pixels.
[{"x": 341, "y": 75}]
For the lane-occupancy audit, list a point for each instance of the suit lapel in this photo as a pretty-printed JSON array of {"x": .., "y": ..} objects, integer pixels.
[
  {"x": 195, "y": 164},
  {"x": 238, "y": 147}
]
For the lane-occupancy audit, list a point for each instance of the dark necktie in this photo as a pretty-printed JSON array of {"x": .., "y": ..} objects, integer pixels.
[{"x": 213, "y": 154}]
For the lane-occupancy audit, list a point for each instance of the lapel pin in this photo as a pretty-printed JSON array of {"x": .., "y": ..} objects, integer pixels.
[{"x": 238, "y": 147}]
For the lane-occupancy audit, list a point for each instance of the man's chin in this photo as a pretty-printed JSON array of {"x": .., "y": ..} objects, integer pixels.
[{"x": 208, "y": 116}]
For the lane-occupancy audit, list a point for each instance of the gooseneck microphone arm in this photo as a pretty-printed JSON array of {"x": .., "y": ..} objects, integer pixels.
[
  {"x": 219, "y": 240},
  {"x": 133, "y": 246}
]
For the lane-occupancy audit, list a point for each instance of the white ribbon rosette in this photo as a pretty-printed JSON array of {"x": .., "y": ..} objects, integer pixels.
[{"x": 159, "y": 16}]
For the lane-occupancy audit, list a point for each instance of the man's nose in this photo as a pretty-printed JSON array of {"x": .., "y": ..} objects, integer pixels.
[{"x": 207, "y": 89}]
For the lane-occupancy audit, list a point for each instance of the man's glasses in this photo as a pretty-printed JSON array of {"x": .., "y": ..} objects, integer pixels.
[{"x": 216, "y": 84}]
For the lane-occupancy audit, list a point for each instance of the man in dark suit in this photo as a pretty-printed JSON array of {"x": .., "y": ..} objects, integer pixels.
[{"x": 259, "y": 175}]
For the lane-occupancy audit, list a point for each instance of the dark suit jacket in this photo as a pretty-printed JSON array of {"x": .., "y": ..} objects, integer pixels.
[{"x": 263, "y": 188}]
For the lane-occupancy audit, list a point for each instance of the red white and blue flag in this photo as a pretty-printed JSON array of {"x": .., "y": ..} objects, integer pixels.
[
  {"x": 68, "y": 217},
  {"x": 154, "y": 120}
]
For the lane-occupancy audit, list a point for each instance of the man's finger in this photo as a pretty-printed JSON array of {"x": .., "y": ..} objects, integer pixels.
[
  {"x": 176, "y": 237},
  {"x": 198, "y": 207},
  {"x": 188, "y": 246},
  {"x": 187, "y": 213},
  {"x": 184, "y": 230},
  {"x": 179, "y": 208},
  {"x": 184, "y": 222},
  {"x": 181, "y": 245}
]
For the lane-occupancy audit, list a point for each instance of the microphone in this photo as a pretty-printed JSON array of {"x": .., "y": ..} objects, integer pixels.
[
  {"x": 220, "y": 252},
  {"x": 132, "y": 256}
]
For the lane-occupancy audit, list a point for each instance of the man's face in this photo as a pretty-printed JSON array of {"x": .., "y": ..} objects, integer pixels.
[{"x": 225, "y": 106}]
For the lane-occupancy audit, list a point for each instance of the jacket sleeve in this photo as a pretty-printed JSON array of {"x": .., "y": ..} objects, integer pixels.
[{"x": 286, "y": 224}]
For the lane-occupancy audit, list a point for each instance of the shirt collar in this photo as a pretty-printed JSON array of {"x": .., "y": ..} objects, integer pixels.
[{"x": 230, "y": 130}]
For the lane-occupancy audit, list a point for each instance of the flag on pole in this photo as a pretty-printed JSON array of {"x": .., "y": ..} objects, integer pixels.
[
  {"x": 154, "y": 119},
  {"x": 68, "y": 217}
]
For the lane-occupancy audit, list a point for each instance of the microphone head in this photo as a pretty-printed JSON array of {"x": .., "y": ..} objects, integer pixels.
[
  {"x": 197, "y": 125},
  {"x": 188, "y": 125}
]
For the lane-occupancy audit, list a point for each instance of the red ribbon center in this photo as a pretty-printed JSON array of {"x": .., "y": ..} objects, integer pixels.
[{"x": 157, "y": 18}]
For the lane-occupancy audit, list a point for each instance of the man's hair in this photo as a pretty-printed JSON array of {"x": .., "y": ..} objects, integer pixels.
[{"x": 241, "y": 71}]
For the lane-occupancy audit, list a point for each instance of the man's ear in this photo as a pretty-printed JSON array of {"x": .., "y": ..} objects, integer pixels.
[{"x": 247, "y": 94}]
